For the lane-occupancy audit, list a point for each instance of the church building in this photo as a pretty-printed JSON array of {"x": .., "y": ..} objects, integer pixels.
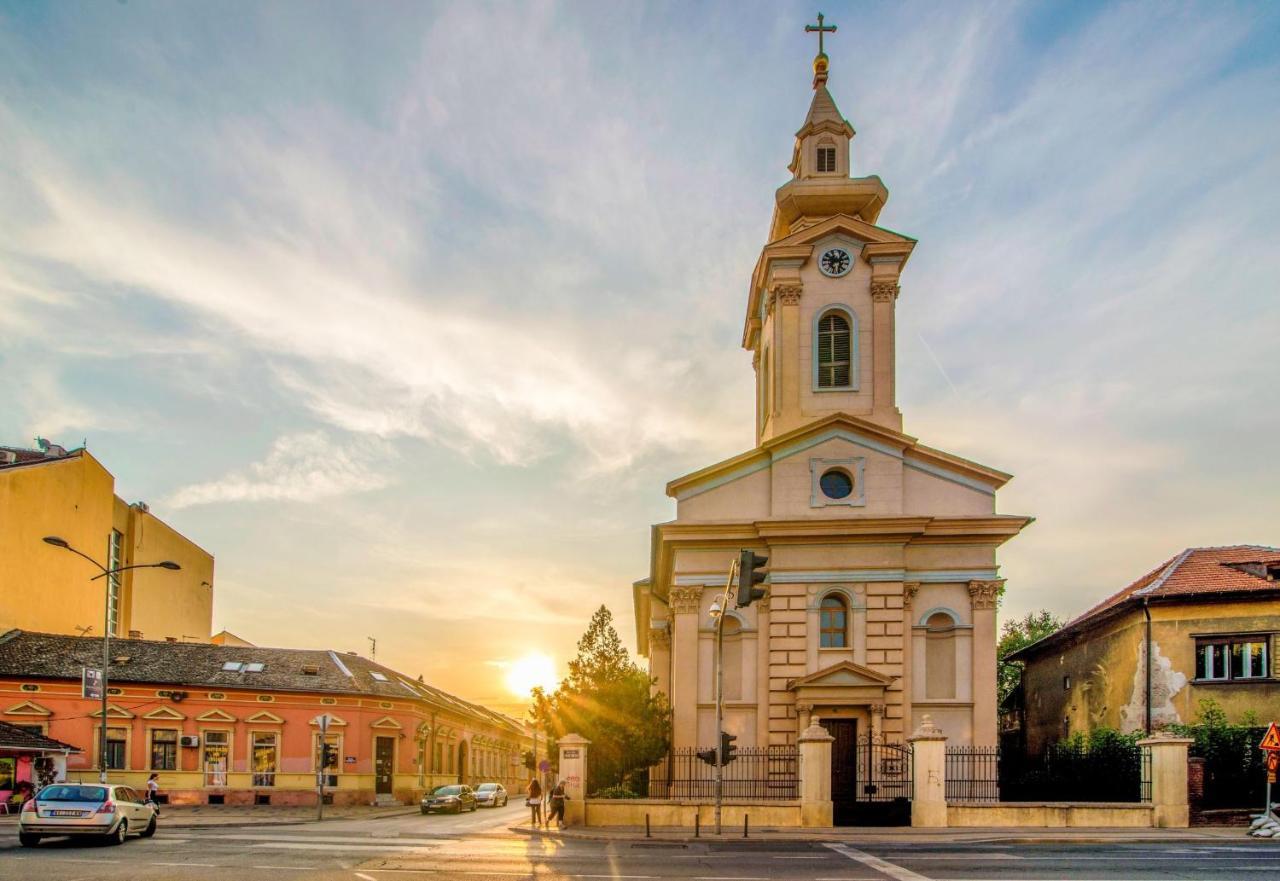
[{"x": 883, "y": 581}]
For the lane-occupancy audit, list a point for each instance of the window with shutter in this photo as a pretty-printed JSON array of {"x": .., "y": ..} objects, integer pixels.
[
  {"x": 833, "y": 351},
  {"x": 826, "y": 159}
]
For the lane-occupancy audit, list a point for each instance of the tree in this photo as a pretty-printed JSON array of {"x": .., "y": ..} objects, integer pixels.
[
  {"x": 1016, "y": 634},
  {"x": 608, "y": 700}
]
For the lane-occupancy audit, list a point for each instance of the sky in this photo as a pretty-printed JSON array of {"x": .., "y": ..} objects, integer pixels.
[{"x": 408, "y": 311}]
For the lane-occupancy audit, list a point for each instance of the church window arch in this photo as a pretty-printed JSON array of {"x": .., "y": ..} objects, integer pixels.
[
  {"x": 833, "y": 622},
  {"x": 835, "y": 349},
  {"x": 940, "y": 654}
]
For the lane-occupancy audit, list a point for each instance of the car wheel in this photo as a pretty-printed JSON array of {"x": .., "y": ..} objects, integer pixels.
[
  {"x": 26, "y": 839},
  {"x": 504, "y": 801},
  {"x": 151, "y": 828},
  {"x": 122, "y": 832},
  {"x": 425, "y": 812}
]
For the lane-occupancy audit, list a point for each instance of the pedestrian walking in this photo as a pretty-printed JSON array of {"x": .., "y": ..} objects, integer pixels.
[
  {"x": 534, "y": 801},
  {"x": 153, "y": 792},
  {"x": 558, "y": 798}
]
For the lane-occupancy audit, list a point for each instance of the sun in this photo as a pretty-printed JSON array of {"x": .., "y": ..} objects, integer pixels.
[{"x": 533, "y": 670}]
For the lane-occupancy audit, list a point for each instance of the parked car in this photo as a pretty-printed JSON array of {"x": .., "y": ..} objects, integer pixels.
[
  {"x": 452, "y": 799},
  {"x": 491, "y": 795},
  {"x": 104, "y": 811}
]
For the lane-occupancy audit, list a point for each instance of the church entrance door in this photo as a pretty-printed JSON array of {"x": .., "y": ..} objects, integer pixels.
[{"x": 844, "y": 769}]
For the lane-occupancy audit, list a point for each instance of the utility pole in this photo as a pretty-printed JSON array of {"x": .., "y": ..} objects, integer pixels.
[
  {"x": 373, "y": 648},
  {"x": 719, "y": 770}
]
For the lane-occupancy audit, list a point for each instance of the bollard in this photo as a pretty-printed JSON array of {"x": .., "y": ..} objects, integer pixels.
[
  {"x": 746, "y": 819},
  {"x": 697, "y": 825},
  {"x": 646, "y": 825}
]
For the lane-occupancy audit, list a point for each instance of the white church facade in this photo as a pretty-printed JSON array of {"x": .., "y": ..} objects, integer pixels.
[{"x": 883, "y": 578}]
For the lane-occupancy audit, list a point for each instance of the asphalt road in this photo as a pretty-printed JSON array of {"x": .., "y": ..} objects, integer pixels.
[{"x": 478, "y": 846}]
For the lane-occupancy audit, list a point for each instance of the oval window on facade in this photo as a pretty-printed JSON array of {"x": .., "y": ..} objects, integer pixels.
[{"x": 836, "y": 484}]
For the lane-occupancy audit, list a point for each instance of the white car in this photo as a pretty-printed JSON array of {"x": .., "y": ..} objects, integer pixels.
[
  {"x": 108, "y": 811},
  {"x": 491, "y": 795}
]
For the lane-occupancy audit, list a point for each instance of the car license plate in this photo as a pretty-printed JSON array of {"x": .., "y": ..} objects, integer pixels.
[{"x": 65, "y": 813}]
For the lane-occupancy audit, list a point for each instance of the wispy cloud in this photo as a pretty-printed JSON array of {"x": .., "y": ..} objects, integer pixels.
[{"x": 304, "y": 467}]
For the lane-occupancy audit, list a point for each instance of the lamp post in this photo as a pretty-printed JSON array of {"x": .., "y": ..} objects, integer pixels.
[
  {"x": 106, "y": 630},
  {"x": 718, "y": 607}
]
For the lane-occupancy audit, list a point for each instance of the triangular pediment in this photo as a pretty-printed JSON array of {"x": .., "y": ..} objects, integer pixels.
[
  {"x": 216, "y": 716},
  {"x": 386, "y": 722},
  {"x": 845, "y": 674},
  {"x": 334, "y": 721},
  {"x": 265, "y": 718},
  {"x": 851, "y": 226},
  {"x": 164, "y": 713},
  {"x": 28, "y": 708},
  {"x": 113, "y": 712}
]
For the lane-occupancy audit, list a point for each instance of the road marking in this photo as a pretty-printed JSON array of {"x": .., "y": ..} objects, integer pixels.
[
  {"x": 819, "y": 857},
  {"x": 331, "y": 839},
  {"x": 291, "y": 868},
  {"x": 893, "y": 871},
  {"x": 362, "y": 849},
  {"x": 365, "y": 877},
  {"x": 185, "y": 865}
]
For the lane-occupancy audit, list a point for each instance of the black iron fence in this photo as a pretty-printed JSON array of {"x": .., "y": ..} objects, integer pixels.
[
  {"x": 973, "y": 773},
  {"x": 757, "y": 773},
  {"x": 1070, "y": 771}
]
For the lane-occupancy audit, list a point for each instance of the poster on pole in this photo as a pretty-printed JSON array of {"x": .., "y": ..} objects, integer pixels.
[{"x": 91, "y": 683}]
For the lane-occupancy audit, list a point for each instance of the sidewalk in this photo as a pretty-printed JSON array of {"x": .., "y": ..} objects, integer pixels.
[
  {"x": 197, "y": 816},
  {"x": 899, "y": 835}
]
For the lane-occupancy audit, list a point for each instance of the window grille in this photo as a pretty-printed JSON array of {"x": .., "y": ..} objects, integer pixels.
[{"x": 826, "y": 159}]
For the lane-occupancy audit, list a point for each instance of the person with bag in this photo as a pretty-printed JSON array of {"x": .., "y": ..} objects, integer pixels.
[
  {"x": 558, "y": 798},
  {"x": 153, "y": 790},
  {"x": 534, "y": 801}
]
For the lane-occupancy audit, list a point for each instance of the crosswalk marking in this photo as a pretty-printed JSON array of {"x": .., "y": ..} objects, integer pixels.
[
  {"x": 896, "y": 872},
  {"x": 330, "y": 839},
  {"x": 346, "y": 848}
]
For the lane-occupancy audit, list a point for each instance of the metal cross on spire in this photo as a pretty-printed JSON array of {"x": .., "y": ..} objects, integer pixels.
[{"x": 820, "y": 29}]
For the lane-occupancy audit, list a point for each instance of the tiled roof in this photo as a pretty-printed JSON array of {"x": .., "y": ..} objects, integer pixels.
[
  {"x": 22, "y": 456},
  {"x": 13, "y": 737},
  {"x": 56, "y": 656},
  {"x": 1196, "y": 572}
]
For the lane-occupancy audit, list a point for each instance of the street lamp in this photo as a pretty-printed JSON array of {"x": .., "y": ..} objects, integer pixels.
[{"x": 106, "y": 630}]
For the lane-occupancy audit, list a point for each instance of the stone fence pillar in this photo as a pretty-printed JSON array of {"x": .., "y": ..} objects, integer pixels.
[
  {"x": 1169, "y": 780},
  {"x": 573, "y": 774},
  {"x": 928, "y": 775},
  {"x": 815, "y": 776}
]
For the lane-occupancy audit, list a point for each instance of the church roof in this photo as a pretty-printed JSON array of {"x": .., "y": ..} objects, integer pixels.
[
  {"x": 1194, "y": 573},
  {"x": 822, "y": 109}
]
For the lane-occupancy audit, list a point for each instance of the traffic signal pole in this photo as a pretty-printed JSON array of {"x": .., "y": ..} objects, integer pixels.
[{"x": 724, "y": 611}]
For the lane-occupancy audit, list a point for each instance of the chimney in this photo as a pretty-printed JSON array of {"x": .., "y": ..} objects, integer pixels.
[{"x": 135, "y": 634}]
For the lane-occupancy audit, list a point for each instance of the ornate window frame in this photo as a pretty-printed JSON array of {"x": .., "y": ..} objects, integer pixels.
[
  {"x": 854, "y": 466},
  {"x": 852, "y": 318}
]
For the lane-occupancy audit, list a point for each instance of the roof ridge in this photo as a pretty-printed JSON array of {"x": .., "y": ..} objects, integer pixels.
[{"x": 1164, "y": 576}]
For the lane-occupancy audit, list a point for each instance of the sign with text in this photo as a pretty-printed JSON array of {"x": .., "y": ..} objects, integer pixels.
[
  {"x": 1271, "y": 740},
  {"x": 570, "y": 754},
  {"x": 350, "y": 760},
  {"x": 91, "y": 683}
]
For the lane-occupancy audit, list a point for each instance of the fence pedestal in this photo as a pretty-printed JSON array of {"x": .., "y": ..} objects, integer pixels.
[
  {"x": 573, "y": 773},
  {"x": 1169, "y": 780},
  {"x": 929, "y": 775},
  {"x": 815, "y": 776}
]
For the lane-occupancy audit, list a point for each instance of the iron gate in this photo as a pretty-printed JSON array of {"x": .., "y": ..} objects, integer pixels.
[{"x": 870, "y": 778}]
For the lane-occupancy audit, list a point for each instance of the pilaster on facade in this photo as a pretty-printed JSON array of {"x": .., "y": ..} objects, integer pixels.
[
  {"x": 985, "y": 594},
  {"x": 684, "y": 600}
]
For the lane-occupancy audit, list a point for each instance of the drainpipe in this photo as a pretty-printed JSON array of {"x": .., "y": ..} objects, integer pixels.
[{"x": 1146, "y": 610}]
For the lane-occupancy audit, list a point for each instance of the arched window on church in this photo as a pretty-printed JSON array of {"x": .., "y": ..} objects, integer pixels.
[
  {"x": 826, "y": 158},
  {"x": 834, "y": 344},
  {"x": 732, "y": 658},
  {"x": 833, "y": 623},
  {"x": 940, "y": 656}
]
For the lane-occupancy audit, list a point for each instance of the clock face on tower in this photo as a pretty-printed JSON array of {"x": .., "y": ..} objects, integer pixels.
[{"x": 835, "y": 262}]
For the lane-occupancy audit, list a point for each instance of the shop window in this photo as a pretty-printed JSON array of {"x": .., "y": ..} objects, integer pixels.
[
  {"x": 217, "y": 757},
  {"x": 164, "y": 749},
  {"x": 265, "y": 751}
]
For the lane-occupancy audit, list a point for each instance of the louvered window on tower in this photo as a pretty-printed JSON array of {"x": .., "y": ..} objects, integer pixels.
[
  {"x": 826, "y": 159},
  {"x": 833, "y": 351}
]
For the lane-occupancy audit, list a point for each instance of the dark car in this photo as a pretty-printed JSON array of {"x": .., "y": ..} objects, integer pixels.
[
  {"x": 453, "y": 799},
  {"x": 493, "y": 795}
]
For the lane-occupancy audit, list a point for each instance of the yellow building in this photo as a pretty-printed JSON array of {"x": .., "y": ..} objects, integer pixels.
[
  {"x": 1204, "y": 624},
  {"x": 55, "y": 492}
]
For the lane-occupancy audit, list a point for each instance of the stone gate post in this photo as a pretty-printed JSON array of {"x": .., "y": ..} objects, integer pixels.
[
  {"x": 1169, "y": 780},
  {"x": 815, "y": 776},
  {"x": 573, "y": 773},
  {"x": 928, "y": 774}
]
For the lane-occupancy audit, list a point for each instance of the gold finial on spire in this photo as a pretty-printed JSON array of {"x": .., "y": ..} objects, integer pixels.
[{"x": 820, "y": 63}]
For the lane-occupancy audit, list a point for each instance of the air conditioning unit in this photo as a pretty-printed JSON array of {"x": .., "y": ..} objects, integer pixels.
[{"x": 189, "y": 740}]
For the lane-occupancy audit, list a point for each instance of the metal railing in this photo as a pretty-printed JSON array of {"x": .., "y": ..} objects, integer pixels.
[
  {"x": 973, "y": 773},
  {"x": 767, "y": 773}
]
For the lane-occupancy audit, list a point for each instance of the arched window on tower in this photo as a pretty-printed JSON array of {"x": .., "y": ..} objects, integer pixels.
[
  {"x": 940, "y": 656},
  {"x": 833, "y": 623},
  {"x": 732, "y": 659},
  {"x": 834, "y": 344},
  {"x": 826, "y": 158}
]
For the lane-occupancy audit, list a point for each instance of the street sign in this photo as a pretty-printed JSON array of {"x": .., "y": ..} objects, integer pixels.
[
  {"x": 91, "y": 683},
  {"x": 323, "y": 721},
  {"x": 1273, "y": 762},
  {"x": 1271, "y": 740},
  {"x": 544, "y": 766}
]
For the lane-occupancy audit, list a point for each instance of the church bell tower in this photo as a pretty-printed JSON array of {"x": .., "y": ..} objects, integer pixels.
[{"x": 820, "y": 312}]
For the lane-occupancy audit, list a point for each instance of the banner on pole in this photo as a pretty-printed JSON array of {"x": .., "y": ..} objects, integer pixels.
[{"x": 91, "y": 683}]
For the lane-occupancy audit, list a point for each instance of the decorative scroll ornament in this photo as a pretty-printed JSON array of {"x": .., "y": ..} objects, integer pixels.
[
  {"x": 877, "y": 709},
  {"x": 659, "y": 637},
  {"x": 884, "y": 291},
  {"x": 909, "y": 591},
  {"x": 985, "y": 593},
  {"x": 685, "y": 599}
]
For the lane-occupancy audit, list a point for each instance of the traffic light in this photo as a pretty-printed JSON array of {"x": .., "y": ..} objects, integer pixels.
[
  {"x": 749, "y": 575},
  {"x": 328, "y": 756},
  {"x": 708, "y": 756},
  {"x": 728, "y": 751}
]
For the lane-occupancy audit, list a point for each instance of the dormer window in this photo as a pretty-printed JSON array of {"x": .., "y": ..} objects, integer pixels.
[{"x": 826, "y": 159}]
